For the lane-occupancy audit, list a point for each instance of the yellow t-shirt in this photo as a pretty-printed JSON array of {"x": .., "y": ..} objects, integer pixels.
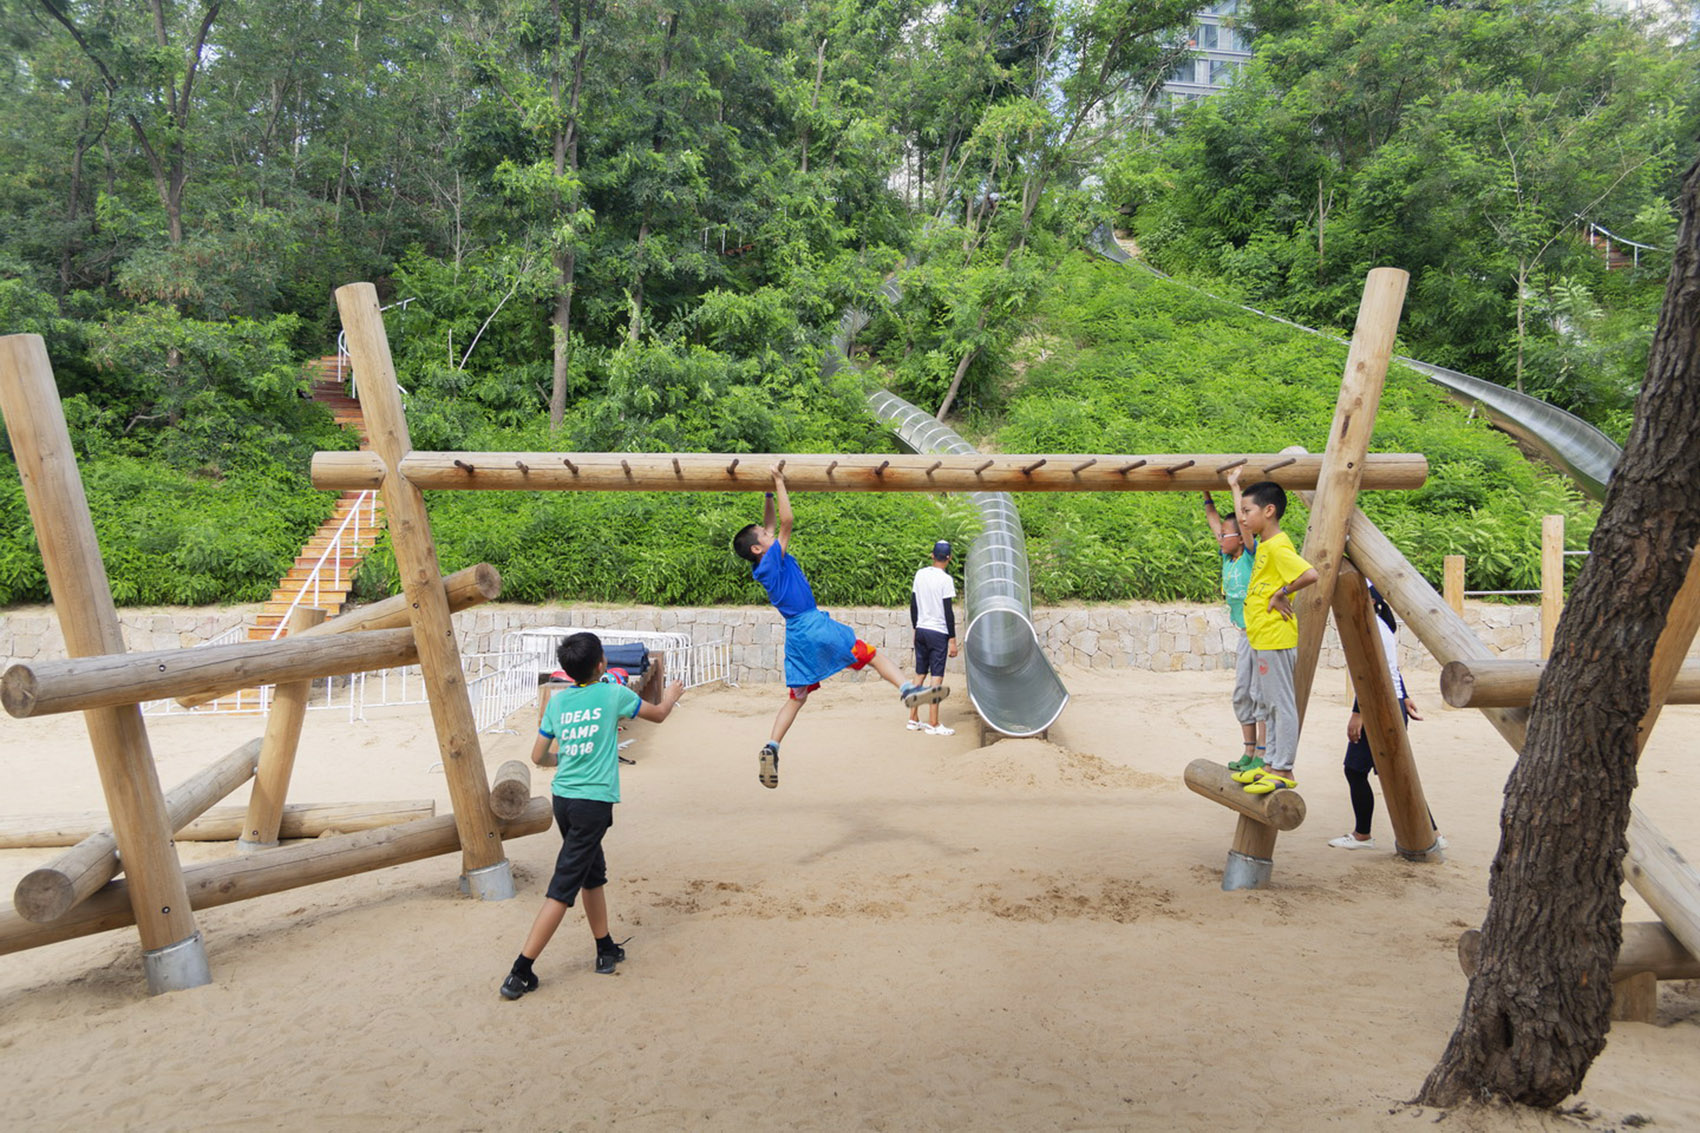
[{"x": 1275, "y": 565}]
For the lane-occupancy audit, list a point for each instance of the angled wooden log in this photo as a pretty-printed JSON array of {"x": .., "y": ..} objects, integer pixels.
[
  {"x": 1384, "y": 726},
  {"x": 466, "y": 588},
  {"x": 825, "y": 472},
  {"x": 485, "y": 868},
  {"x": 255, "y": 875},
  {"x": 1511, "y": 683},
  {"x": 40, "y": 688},
  {"x": 1344, "y": 462},
  {"x": 173, "y": 954},
  {"x": 277, "y": 750},
  {"x": 48, "y": 893},
  {"x": 1667, "y": 880},
  {"x": 219, "y": 824}
]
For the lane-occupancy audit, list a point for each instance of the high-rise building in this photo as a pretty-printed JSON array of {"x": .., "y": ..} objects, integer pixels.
[{"x": 1223, "y": 46}]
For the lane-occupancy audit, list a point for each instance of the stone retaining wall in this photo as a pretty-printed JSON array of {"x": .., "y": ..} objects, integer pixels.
[{"x": 1142, "y": 635}]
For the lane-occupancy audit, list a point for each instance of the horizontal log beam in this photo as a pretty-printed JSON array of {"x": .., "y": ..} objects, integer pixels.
[
  {"x": 220, "y": 824},
  {"x": 255, "y": 875},
  {"x": 1279, "y": 810},
  {"x": 815, "y": 472},
  {"x": 1511, "y": 683},
  {"x": 466, "y": 588},
  {"x": 510, "y": 790},
  {"x": 1648, "y": 946},
  {"x": 44, "y": 687}
]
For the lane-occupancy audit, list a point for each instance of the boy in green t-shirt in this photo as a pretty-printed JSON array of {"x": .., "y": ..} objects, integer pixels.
[
  {"x": 581, "y": 722},
  {"x": 1236, "y": 575},
  {"x": 1277, "y": 573}
]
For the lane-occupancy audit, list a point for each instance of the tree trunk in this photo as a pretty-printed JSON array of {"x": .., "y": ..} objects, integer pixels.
[
  {"x": 1537, "y": 1009},
  {"x": 566, "y": 259}
]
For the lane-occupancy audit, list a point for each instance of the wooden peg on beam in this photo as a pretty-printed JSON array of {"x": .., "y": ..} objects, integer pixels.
[
  {"x": 677, "y": 471},
  {"x": 523, "y": 470},
  {"x": 1172, "y": 469},
  {"x": 465, "y": 467},
  {"x": 732, "y": 469},
  {"x": 880, "y": 471},
  {"x": 1230, "y": 466},
  {"x": 1126, "y": 468},
  {"x": 1083, "y": 466},
  {"x": 1279, "y": 464},
  {"x": 1028, "y": 470},
  {"x": 936, "y": 465},
  {"x": 984, "y": 466},
  {"x": 571, "y": 467},
  {"x": 626, "y": 467},
  {"x": 830, "y": 467}
]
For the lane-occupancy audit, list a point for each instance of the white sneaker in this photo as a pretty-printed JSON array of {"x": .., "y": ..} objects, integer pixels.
[
  {"x": 1347, "y": 842},
  {"x": 917, "y": 726},
  {"x": 938, "y": 730}
]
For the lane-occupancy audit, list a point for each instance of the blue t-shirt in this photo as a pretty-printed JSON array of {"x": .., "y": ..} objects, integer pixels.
[
  {"x": 582, "y": 720},
  {"x": 783, "y": 580}
]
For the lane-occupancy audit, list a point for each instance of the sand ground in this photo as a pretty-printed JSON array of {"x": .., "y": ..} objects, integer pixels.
[{"x": 912, "y": 932}]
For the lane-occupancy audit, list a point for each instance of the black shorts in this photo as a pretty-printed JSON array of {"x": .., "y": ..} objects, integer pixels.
[
  {"x": 931, "y": 649},
  {"x": 580, "y": 864}
]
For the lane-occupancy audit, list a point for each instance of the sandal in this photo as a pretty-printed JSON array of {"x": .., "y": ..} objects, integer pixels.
[
  {"x": 1249, "y": 772},
  {"x": 1268, "y": 782}
]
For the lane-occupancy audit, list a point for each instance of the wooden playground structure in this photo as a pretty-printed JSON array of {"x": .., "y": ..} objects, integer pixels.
[{"x": 80, "y": 891}]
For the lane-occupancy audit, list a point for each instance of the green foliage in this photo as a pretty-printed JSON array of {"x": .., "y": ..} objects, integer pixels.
[
  {"x": 1135, "y": 364},
  {"x": 1459, "y": 142},
  {"x": 170, "y": 538}
]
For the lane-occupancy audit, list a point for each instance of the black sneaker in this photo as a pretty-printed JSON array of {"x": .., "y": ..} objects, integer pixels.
[
  {"x": 605, "y": 961},
  {"x": 517, "y": 985},
  {"x": 768, "y": 770}
]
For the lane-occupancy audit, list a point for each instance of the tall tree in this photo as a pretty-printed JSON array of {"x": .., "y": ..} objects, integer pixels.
[{"x": 1538, "y": 1007}]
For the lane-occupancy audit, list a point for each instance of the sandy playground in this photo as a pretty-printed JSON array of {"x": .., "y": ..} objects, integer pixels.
[{"x": 912, "y": 932}]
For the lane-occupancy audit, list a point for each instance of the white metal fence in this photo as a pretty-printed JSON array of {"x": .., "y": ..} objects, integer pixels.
[{"x": 499, "y": 684}]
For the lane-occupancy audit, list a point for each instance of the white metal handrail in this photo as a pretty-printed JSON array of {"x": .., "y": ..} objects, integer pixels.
[
  {"x": 333, "y": 554},
  {"x": 342, "y": 350}
]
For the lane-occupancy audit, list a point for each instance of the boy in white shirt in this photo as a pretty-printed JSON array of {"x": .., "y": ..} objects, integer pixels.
[{"x": 930, "y": 613}]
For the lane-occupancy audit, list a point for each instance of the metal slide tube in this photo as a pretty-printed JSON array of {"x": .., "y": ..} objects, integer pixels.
[
  {"x": 1569, "y": 443},
  {"x": 1010, "y": 681}
]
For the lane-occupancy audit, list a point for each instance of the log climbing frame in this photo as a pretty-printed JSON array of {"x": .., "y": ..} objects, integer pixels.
[{"x": 158, "y": 895}]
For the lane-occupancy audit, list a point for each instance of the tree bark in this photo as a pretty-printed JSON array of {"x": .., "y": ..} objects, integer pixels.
[
  {"x": 566, "y": 259},
  {"x": 1537, "y": 1009}
]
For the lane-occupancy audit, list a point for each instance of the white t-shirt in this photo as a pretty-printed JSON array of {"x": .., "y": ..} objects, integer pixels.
[
  {"x": 1390, "y": 648},
  {"x": 932, "y": 586}
]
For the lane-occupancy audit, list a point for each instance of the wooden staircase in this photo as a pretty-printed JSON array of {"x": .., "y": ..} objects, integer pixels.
[{"x": 360, "y": 524}]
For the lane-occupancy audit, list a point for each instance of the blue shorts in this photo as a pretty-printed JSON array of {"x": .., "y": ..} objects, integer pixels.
[{"x": 931, "y": 650}]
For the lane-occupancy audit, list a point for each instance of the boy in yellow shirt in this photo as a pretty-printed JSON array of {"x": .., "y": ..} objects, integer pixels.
[{"x": 1271, "y": 629}]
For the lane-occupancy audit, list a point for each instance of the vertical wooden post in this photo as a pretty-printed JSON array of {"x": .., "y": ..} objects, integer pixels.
[
  {"x": 1378, "y": 701},
  {"x": 174, "y": 955},
  {"x": 277, "y": 750},
  {"x": 1343, "y": 460},
  {"x": 486, "y": 871},
  {"x": 1552, "y": 579},
  {"x": 1453, "y": 583}
]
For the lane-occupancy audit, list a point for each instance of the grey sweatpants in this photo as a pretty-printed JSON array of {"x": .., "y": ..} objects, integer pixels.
[
  {"x": 1278, "y": 703},
  {"x": 1245, "y": 708}
]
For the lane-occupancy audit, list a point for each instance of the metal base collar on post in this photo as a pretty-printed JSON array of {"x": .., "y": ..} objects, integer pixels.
[
  {"x": 247, "y": 847},
  {"x": 1246, "y": 872},
  {"x": 492, "y": 883},
  {"x": 1432, "y": 855},
  {"x": 177, "y": 967}
]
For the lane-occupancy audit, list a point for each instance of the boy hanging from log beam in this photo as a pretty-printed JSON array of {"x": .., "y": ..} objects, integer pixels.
[
  {"x": 816, "y": 647},
  {"x": 1272, "y": 631},
  {"x": 580, "y": 722}
]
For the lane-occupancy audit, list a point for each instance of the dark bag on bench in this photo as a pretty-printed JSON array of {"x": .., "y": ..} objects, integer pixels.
[{"x": 634, "y": 659}]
